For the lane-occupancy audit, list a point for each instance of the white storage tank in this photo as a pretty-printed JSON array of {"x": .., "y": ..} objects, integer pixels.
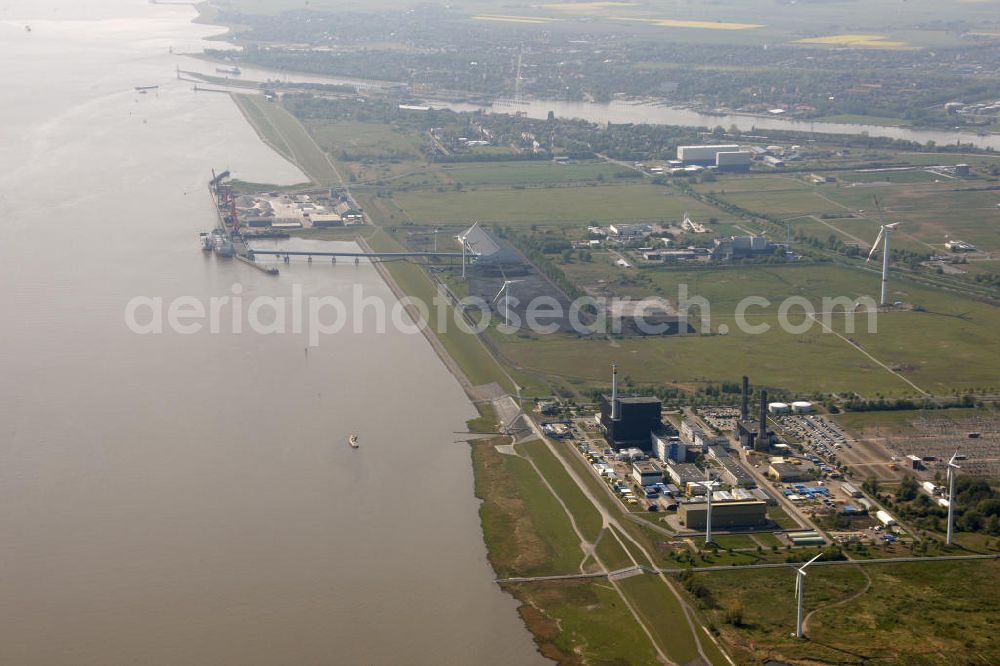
[
  {"x": 802, "y": 407},
  {"x": 885, "y": 518},
  {"x": 929, "y": 488},
  {"x": 777, "y": 407}
]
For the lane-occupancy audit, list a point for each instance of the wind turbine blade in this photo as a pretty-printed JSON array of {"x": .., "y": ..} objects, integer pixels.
[
  {"x": 952, "y": 461},
  {"x": 878, "y": 239},
  {"x": 499, "y": 294}
]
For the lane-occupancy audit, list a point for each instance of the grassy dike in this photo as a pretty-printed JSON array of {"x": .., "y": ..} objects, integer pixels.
[{"x": 527, "y": 532}]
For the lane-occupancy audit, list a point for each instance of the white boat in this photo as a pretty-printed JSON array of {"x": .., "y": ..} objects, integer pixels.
[
  {"x": 206, "y": 241},
  {"x": 354, "y": 442}
]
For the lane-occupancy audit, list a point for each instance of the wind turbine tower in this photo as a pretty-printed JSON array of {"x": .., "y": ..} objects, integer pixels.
[
  {"x": 883, "y": 235},
  {"x": 505, "y": 292},
  {"x": 952, "y": 473},
  {"x": 800, "y": 580},
  {"x": 708, "y": 485}
]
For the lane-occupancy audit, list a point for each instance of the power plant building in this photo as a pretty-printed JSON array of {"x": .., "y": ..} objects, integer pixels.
[
  {"x": 724, "y": 514},
  {"x": 668, "y": 447},
  {"x": 630, "y": 421},
  {"x": 741, "y": 247},
  {"x": 751, "y": 433}
]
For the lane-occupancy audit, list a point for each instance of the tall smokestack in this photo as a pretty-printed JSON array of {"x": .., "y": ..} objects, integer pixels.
[
  {"x": 744, "y": 404},
  {"x": 614, "y": 391},
  {"x": 762, "y": 443}
]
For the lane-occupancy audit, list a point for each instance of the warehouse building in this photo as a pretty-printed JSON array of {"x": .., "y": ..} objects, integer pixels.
[
  {"x": 736, "y": 161},
  {"x": 752, "y": 513},
  {"x": 646, "y": 473},
  {"x": 704, "y": 155},
  {"x": 483, "y": 249},
  {"x": 683, "y": 474},
  {"x": 735, "y": 474},
  {"x": 785, "y": 472}
]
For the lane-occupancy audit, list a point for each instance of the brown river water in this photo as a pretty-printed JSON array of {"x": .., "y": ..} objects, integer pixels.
[{"x": 191, "y": 499}]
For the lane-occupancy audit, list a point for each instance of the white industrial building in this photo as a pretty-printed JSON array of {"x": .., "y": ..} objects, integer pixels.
[
  {"x": 735, "y": 160},
  {"x": 646, "y": 473},
  {"x": 704, "y": 154}
]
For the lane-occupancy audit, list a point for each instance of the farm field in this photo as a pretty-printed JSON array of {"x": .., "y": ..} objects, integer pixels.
[
  {"x": 932, "y": 212},
  {"x": 932, "y": 208},
  {"x": 556, "y": 206},
  {"x": 944, "y": 348},
  {"x": 791, "y": 201}
]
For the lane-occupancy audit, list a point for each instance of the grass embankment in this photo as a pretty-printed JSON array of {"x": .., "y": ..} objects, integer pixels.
[
  {"x": 285, "y": 134},
  {"x": 588, "y": 519},
  {"x": 465, "y": 349},
  {"x": 527, "y": 532}
]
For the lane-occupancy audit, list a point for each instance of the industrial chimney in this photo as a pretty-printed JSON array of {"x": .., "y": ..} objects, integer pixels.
[
  {"x": 614, "y": 391},
  {"x": 744, "y": 404},
  {"x": 762, "y": 443}
]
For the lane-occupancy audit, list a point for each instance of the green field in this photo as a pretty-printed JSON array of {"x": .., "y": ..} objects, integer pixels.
[
  {"x": 585, "y": 620},
  {"x": 526, "y": 530},
  {"x": 586, "y": 517},
  {"x": 558, "y": 206},
  {"x": 946, "y": 347},
  {"x": 926, "y": 613}
]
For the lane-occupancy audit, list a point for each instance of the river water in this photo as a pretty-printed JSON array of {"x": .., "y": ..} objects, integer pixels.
[
  {"x": 191, "y": 499},
  {"x": 643, "y": 112}
]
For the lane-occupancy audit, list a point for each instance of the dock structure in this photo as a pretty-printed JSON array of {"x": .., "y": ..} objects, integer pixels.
[{"x": 376, "y": 255}]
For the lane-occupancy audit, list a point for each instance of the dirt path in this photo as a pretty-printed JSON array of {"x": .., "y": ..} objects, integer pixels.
[
  {"x": 872, "y": 358},
  {"x": 868, "y": 586}
]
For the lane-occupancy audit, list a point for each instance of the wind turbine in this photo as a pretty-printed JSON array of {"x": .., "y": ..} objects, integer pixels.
[
  {"x": 708, "y": 484},
  {"x": 462, "y": 238},
  {"x": 952, "y": 473},
  {"x": 505, "y": 292},
  {"x": 800, "y": 580},
  {"x": 883, "y": 235}
]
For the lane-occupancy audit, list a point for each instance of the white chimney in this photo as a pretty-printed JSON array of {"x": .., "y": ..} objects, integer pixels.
[{"x": 614, "y": 391}]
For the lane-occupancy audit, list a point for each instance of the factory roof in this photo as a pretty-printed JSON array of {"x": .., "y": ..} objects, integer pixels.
[{"x": 639, "y": 399}]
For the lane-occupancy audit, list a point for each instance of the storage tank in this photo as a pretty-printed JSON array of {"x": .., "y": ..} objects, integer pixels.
[
  {"x": 929, "y": 487},
  {"x": 777, "y": 407},
  {"x": 802, "y": 407},
  {"x": 885, "y": 518}
]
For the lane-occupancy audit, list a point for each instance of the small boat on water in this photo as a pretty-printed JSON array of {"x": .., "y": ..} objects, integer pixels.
[
  {"x": 206, "y": 241},
  {"x": 354, "y": 442}
]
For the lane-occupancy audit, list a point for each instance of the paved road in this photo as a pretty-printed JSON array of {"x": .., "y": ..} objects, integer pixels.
[{"x": 774, "y": 565}]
